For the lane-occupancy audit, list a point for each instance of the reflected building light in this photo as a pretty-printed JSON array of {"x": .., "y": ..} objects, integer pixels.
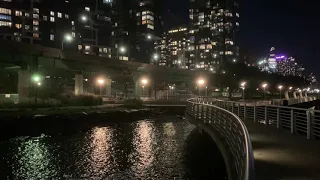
[
  {"x": 101, "y": 140},
  {"x": 143, "y": 144},
  {"x": 169, "y": 129}
]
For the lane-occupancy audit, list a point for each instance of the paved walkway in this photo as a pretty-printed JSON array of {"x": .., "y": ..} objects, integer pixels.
[{"x": 281, "y": 155}]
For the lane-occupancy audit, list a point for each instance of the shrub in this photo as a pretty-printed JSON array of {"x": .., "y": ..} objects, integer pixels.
[
  {"x": 133, "y": 103},
  {"x": 84, "y": 100}
]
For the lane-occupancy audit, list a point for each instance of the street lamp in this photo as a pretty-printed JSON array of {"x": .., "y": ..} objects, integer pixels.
[
  {"x": 149, "y": 37},
  {"x": 122, "y": 50},
  {"x": 155, "y": 56},
  {"x": 100, "y": 82},
  {"x": 84, "y": 18},
  {"x": 36, "y": 79},
  {"x": 66, "y": 38},
  {"x": 144, "y": 82},
  {"x": 280, "y": 87},
  {"x": 264, "y": 88},
  {"x": 200, "y": 83},
  {"x": 243, "y": 84},
  {"x": 290, "y": 88}
]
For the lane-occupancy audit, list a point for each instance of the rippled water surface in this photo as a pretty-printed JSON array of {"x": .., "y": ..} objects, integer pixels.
[{"x": 137, "y": 150}]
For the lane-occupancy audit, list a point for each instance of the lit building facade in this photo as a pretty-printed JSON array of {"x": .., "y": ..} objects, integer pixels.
[
  {"x": 136, "y": 25},
  {"x": 173, "y": 48},
  {"x": 212, "y": 35},
  {"x": 272, "y": 63},
  {"x": 48, "y": 23}
]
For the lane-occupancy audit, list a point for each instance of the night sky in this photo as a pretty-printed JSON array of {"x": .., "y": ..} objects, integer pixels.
[{"x": 291, "y": 26}]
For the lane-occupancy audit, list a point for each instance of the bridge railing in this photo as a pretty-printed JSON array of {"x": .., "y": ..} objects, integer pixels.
[
  {"x": 233, "y": 131},
  {"x": 305, "y": 122}
]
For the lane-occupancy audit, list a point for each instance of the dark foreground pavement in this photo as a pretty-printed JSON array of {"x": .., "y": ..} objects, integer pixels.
[{"x": 281, "y": 155}]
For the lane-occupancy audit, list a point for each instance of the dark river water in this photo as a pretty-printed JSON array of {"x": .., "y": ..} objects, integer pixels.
[{"x": 146, "y": 149}]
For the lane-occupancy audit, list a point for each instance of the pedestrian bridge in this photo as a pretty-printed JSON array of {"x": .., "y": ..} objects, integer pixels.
[{"x": 261, "y": 141}]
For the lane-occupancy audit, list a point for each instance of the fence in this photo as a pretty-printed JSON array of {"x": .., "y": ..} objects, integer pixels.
[
  {"x": 232, "y": 129},
  {"x": 305, "y": 122}
]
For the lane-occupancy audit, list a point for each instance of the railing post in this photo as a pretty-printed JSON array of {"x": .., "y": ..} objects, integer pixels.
[
  {"x": 278, "y": 118},
  {"x": 232, "y": 108},
  {"x": 266, "y": 115},
  {"x": 244, "y": 112},
  {"x": 254, "y": 113},
  {"x": 202, "y": 111},
  {"x": 292, "y": 121},
  {"x": 308, "y": 125}
]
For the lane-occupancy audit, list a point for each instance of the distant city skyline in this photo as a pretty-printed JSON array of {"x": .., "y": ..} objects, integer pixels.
[{"x": 290, "y": 27}]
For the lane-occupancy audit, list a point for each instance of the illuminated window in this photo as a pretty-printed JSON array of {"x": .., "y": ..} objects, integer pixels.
[
  {"x": 18, "y": 26},
  {"x": 51, "y": 37},
  {"x": 27, "y": 27},
  {"x": 202, "y": 46},
  {"x": 36, "y": 16},
  {"x": 52, "y": 19},
  {"x": 45, "y": 18},
  {"x": 35, "y": 10},
  {"x": 150, "y": 26},
  {"x": 51, "y": 13},
  {"x": 87, "y": 9},
  {"x": 5, "y": 11},
  {"x": 35, "y": 28},
  {"x": 27, "y": 14},
  {"x": 66, "y": 16},
  {"x": 229, "y": 52},
  {"x": 87, "y": 48},
  {"x": 5, "y": 17},
  {"x": 59, "y": 15},
  {"x": 35, "y": 35},
  {"x": 18, "y": 13},
  {"x": 144, "y": 22},
  {"x": 35, "y": 22},
  {"x": 79, "y": 47},
  {"x": 73, "y": 34}
]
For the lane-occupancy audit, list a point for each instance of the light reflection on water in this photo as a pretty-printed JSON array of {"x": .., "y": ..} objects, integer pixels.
[{"x": 137, "y": 150}]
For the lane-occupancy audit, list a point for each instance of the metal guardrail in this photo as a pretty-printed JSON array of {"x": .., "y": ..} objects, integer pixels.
[
  {"x": 232, "y": 129},
  {"x": 305, "y": 122}
]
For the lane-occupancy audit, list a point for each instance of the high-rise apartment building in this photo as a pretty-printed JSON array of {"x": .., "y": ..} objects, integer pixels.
[
  {"x": 75, "y": 24},
  {"x": 34, "y": 21},
  {"x": 136, "y": 24},
  {"x": 172, "y": 49},
  {"x": 214, "y": 25}
]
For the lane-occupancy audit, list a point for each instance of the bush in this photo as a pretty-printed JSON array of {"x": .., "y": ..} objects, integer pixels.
[
  {"x": 133, "y": 103},
  {"x": 84, "y": 100}
]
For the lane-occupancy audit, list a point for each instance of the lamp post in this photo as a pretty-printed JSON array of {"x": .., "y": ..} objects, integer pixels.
[
  {"x": 144, "y": 83},
  {"x": 36, "y": 79},
  {"x": 264, "y": 90},
  {"x": 280, "y": 87},
  {"x": 122, "y": 50},
  {"x": 67, "y": 38},
  {"x": 200, "y": 83},
  {"x": 100, "y": 82},
  {"x": 155, "y": 56},
  {"x": 243, "y": 84}
]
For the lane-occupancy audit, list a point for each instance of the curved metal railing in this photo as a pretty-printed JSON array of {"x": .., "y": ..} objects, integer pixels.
[
  {"x": 232, "y": 130},
  {"x": 304, "y": 122}
]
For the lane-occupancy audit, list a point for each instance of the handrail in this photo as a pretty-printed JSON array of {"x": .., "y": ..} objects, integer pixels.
[
  {"x": 305, "y": 122},
  {"x": 283, "y": 107},
  {"x": 246, "y": 172}
]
